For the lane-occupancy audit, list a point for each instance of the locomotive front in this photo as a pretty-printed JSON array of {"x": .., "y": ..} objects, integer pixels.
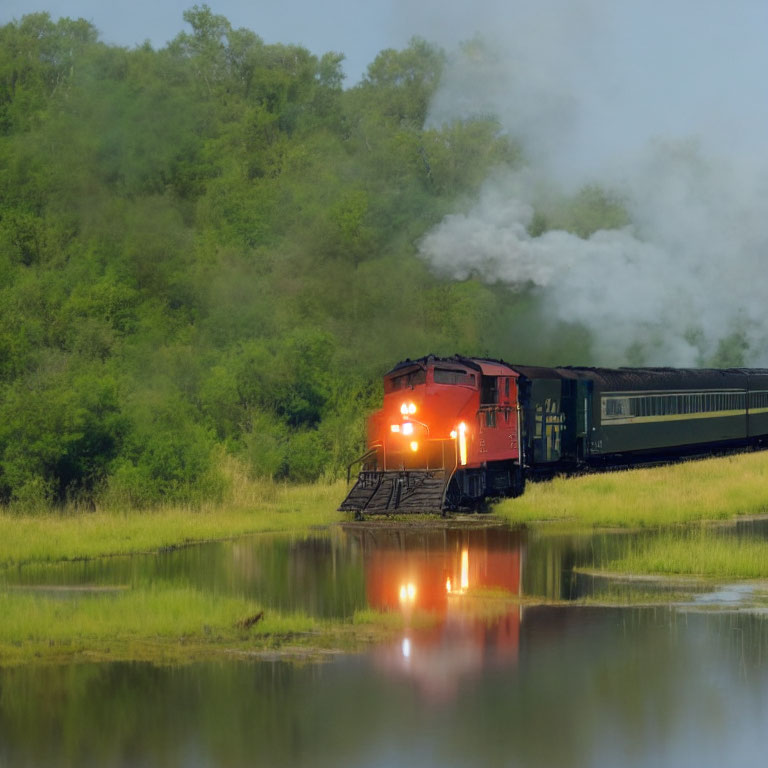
[
  {"x": 430, "y": 443},
  {"x": 424, "y": 421}
]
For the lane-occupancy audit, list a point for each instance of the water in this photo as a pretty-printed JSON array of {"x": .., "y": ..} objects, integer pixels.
[{"x": 490, "y": 682}]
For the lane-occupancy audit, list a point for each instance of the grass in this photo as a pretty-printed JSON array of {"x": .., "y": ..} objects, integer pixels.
[
  {"x": 710, "y": 489},
  {"x": 167, "y": 624},
  {"x": 162, "y": 623},
  {"x": 696, "y": 553},
  {"x": 254, "y": 508}
]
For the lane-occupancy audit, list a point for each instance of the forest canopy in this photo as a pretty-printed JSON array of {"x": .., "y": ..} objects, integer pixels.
[{"x": 211, "y": 250}]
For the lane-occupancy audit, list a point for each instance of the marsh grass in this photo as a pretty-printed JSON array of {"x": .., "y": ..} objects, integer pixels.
[
  {"x": 708, "y": 489},
  {"x": 166, "y": 624},
  {"x": 176, "y": 620},
  {"x": 252, "y": 507},
  {"x": 700, "y": 552}
]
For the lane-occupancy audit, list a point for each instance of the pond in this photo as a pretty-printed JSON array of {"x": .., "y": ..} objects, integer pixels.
[{"x": 540, "y": 679}]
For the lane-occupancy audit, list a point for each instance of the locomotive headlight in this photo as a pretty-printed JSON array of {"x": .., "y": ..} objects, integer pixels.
[
  {"x": 414, "y": 446},
  {"x": 462, "y": 444},
  {"x": 411, "y": 408},
  {"x": 395, "y": 427},
  {"x": 408, "y": 428},
  {"x": 407, "y": 408}
]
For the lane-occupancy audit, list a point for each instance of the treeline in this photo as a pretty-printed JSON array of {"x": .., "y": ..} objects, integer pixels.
[{"x": 210, "y": 250}]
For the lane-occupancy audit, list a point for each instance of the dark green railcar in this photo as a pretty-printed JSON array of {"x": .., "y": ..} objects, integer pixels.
[{"x": 596, "y": 416}]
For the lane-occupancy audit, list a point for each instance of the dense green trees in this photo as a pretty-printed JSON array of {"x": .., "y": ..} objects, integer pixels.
[{"x": 210, "y": 249}]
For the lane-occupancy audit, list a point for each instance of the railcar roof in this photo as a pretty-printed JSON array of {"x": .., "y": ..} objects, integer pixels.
[
  {"x": 607, "y": 379},
  {"x": 629, "y": 379}
]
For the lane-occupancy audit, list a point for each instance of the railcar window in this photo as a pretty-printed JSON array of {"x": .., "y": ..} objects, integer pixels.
[
  {"x": 490, "y": 418},
  {"x": 688, "y": 403},
  {"x": 405, "y": 380},
  {"x": 758, "y": 399},
  {"x": 617, "y": 406},
  {"x": 448, "y": 376}
]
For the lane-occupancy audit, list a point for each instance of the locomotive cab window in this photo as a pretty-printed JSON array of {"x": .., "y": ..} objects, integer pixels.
[
  {"x": 490, "y": 393},
  {"x": 451, "y": 376}
]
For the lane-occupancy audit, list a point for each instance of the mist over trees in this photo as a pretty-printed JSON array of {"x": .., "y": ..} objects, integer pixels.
[{"x": 211, "y": 250}]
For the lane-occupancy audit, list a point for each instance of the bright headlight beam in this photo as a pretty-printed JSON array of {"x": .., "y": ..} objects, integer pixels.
[{"x": 462, "y": 444}]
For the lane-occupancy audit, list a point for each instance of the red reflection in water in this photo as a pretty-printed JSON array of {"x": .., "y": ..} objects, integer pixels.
[{"x": 466, "y": 581}]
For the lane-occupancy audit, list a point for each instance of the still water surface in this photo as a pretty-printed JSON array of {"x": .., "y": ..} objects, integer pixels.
[{"x": 565, "y": 685}]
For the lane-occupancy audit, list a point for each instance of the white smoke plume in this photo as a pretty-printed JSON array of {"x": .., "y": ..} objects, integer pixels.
[{"x": 688, "y": 278}]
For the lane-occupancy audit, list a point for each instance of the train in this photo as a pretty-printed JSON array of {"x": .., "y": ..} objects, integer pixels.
[{"x": 454, "y": 431}]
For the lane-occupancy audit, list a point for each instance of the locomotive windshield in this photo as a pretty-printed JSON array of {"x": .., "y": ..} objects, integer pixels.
[{"x": 405, "y": 380}]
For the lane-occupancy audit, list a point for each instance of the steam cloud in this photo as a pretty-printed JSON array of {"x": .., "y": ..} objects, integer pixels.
[{"x": 684, "y": 284}]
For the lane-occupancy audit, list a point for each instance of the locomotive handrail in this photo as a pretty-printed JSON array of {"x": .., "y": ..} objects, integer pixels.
[{"x": 360, "y": 459}]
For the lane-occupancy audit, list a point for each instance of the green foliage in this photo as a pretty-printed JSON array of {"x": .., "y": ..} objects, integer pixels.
[
  {"x": 210, "y": 249},
  {"x": 591, "y": 209},
  {"x": 59, "y": 432},
  {"x": 167, "y": 455}
]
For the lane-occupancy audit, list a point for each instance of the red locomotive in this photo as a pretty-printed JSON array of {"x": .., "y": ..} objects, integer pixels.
[{"x": 452, "y": 431}]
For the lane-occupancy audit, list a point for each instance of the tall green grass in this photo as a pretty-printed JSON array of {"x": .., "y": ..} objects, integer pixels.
[
  {"x": 696, "y": 553},
  {"x": 165, "y": 623},
  {"x": 153, "y": 623},
  {"x": 251, "y": 507},
  {"x": 710, "y": 489}
]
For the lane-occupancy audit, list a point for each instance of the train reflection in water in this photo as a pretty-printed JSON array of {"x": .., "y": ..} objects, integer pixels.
[{"x": 458, "y": 591}]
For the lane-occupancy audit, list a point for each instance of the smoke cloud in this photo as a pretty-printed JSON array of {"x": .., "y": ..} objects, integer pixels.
[{"x": 685, "y": 283}]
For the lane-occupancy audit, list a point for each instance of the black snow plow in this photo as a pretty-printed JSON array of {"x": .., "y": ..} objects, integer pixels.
[{"x": 391, "y": 492}]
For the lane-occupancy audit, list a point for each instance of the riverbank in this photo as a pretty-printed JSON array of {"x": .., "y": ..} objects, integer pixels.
[
  {"x": 709, "y": 489},
  {"x": 74, "y": 534}
]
